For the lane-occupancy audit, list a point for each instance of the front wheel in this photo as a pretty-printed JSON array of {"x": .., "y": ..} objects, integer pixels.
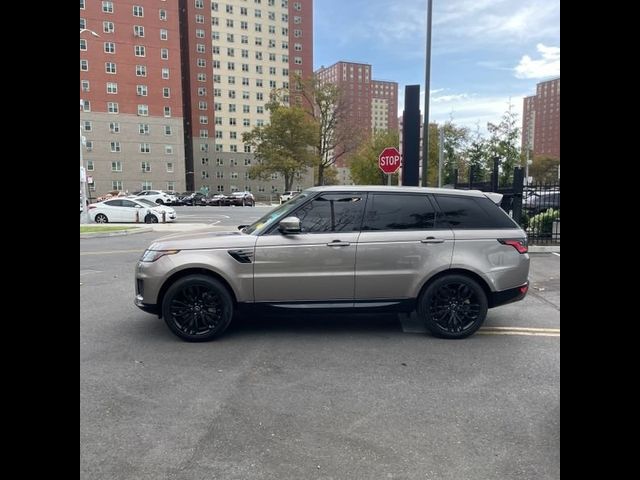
[
  {"x": 101, "y": 218},
  {"x": 197, "y": 308},
  {"x": 453, "y": 306},
  {"x": 150, "y": 219}
]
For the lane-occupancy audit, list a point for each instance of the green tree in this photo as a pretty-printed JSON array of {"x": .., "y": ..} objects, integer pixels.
[
  {"x": 364, "y": 163},
  {"x": 544, "y": 169},
  {"x": 477, "y": 155},
  {"x": 337, "y": 137},
  {"x": 504, "y": 143},
  {"x": 284, "y": 146},
  {"x": 455, "y": 141}
]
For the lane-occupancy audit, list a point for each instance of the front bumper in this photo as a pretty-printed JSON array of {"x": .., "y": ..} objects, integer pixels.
[{"x": 146, "y": 307}]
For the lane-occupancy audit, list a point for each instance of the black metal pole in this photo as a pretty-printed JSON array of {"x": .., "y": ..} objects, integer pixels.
[{"x": 427, "y": 87}]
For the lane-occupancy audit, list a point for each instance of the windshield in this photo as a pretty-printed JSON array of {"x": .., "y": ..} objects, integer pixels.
[
  {"x": 277, "y": 213},
  {"x": 146, "y": 202}
]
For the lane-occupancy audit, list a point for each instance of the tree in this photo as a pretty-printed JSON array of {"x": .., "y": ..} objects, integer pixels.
[
  {"x": 477, "y": 155},
  {"x": 455, "y": 140},
  {"x": 504, "y": 143},
  {"x": 544, "y": 169},
  {"x": 364, "y": 163},
  {"x": 285, "y": 146},
  {"x": 337, "y": 137}
]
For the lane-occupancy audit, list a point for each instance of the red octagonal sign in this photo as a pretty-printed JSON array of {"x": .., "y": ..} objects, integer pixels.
[{"x": 389, "y": 160}]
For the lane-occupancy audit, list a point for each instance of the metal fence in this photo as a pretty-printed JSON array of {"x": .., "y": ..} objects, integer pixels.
[{"x": 535, "y": 207}]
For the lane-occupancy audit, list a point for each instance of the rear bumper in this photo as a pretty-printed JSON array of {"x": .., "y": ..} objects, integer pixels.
[{"x": 508, "y": 296}]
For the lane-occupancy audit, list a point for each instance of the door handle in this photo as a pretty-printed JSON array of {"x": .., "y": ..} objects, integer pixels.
[
  {"x": 432, "y": 240},
  {"x": 338, "y": 243}
]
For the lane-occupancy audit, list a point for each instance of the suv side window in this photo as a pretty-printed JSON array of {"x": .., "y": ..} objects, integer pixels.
[
  {"x": 341, "y": 212},
  {"x": 399, "y": 212},
  {"x": 471, "y": 212}
]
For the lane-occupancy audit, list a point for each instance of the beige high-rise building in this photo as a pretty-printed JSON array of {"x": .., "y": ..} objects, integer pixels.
[{"x": 170, "y": 87}]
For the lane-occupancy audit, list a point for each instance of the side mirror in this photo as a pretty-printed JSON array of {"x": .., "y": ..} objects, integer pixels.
[
  {"x": 139, "y": 206},
  {"x": 289, "y": 225}
]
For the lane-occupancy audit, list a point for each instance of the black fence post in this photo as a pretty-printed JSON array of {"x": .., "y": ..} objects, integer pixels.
[
  {"x": 494, "y": 175},
  {"x": 516, "y": 205}
]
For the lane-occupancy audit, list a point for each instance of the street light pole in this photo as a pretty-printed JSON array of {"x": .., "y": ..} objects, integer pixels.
[
  {"x": 427, "y": 87},
  {"x": 84, "y": 216}
]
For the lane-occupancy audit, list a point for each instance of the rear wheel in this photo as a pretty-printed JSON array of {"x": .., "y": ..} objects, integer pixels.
[
  {"x": 150, "y": 218},
  {"x": 159, "y": 201},
  {"x": 453, "y": 306},
  {"x": 101, "y": 218},
  {"x": 197, "y": 308}
]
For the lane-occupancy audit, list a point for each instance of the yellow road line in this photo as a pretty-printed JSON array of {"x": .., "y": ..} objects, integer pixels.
[
  {"x": 524, "y": 329},
  {"x": 138, "y": 250},
  {"x": 506, "y": 332}
]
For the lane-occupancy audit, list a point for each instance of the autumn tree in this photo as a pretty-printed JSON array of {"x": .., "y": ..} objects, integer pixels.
[
  {"x": 364, "y": 163},
  {"x": 285, "y": 146},
  {"x": 336, "y": 136}
]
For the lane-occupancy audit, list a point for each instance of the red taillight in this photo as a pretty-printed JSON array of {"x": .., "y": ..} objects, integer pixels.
[
  {"x": 524, "y": 288},
  {"x": 519, "y": 245}
]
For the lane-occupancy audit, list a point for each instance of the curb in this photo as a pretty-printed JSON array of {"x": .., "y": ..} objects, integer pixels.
[
  {"x": 116, "y": 233},
  {"x": 544, "y": 248}
]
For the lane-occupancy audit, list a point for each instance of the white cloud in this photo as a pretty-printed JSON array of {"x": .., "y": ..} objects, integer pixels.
[
  {"x": 448, "y": 98},
  {"x": 547, "y": 66}
]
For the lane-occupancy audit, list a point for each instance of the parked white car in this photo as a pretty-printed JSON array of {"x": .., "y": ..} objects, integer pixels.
[
  {"x": 157, "y": 196},
  {"x": 124, "y": 210},
  {"x": 288, "y": 195}
]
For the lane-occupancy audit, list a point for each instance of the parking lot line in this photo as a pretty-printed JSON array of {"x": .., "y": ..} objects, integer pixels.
[{"x": 524, "y": 329}]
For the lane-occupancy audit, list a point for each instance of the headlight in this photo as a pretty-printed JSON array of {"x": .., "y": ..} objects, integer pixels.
[{"x": 153, "y": 255}]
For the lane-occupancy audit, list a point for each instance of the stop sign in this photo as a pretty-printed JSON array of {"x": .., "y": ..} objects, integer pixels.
[{"x": 389, "y": 160}]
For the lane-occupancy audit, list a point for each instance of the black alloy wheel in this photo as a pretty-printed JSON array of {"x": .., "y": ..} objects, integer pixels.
[
  {"x": 453, "y": 306},
  {"x": 197, "y": 308}
]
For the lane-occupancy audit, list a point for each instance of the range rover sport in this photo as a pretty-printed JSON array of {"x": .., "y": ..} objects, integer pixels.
[{"x": 448, "y": 254}]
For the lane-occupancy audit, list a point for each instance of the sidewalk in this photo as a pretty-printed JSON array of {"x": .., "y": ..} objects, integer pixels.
[{"x": 154, "y": 227}]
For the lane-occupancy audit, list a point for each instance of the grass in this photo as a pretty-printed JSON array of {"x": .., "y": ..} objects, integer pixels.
[{"x": 102, "y": 228}]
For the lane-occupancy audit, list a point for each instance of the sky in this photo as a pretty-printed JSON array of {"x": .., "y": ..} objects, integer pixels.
[{"x": 485, "y": 54}]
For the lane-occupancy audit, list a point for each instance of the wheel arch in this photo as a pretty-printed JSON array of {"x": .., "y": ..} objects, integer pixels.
[
  {"x": 193, "y": 271},
  {"x": 460, "y": 271}
]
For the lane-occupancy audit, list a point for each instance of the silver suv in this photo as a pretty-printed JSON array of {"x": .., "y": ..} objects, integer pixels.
[{"x": 449, "y": 254}]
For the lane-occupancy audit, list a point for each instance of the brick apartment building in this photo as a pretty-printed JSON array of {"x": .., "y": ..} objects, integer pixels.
[
  {"x": 169, "y": 88},
  {"x": 541, "y": 120}
]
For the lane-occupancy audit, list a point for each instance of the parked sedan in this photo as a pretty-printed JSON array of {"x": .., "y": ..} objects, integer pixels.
[
  {"x": 241, "y": 198},
  {"x": 122, "y": 210},
  {"x": 157, "y": 196}
]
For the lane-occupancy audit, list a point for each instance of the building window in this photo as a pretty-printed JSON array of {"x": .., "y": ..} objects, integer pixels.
[
  {"x": 84, "y": 65},
  {"x": 138, "y": 11},
  {"x": 86, "y": 125},
  {"x": 219, "y": 119},
  {"x": 109, "y": 47},
  {"x": 202, "y": 63},
  {"x": 147, "y": 185},
  {"x": 171, "y": 186},
  {"x": 85, "y": 85},
  {"x": 141, "y": 90},
  {"x": 199, "y": 4},
  {"x": 204, "y": 147},
  {"x": 112, "y": 107},
  {"x": 244, "y": 39},
  {"x": 165, "y": 73},
  {"x": 218, "y": 133},
  {"x": 116, "y": 166},
  {"x": 169, "y": 167},
  {"x": 141, "y": 70},
  {"x": 202, "y": 92},
  {"x": 115, "y": 147},
  {"x": 166, "y": 92},
  {"x": 143, "y": 128},
  {"x": 138, "y": 31},
  {"x": 200, "y": 19},
  {"x": 139, "y": 51},
  {"x": 146, "y": 166},
  {"x": 163, "y": 15},
  {"x": 164, "y": 53},
  {"x": 204, "y": 133},
  {"x": 200, "y": 48},
  {"x": 110, "y": 67},
  {"x": 143, "y": 110},
  {"x": 167, "y": 130},
  {"x": 167, "y": 111},
  {"x": 114, "y": 127},
  {"x": 229, "y": 23},
  {"x": 107, "y": 7},
  {"x": 83, "y": 44},
  {"x": 229, "y": 8},
  {"x": 145, "y": 148},
  {"x": 108, "y": 27},
  {"x": 297, "y": 33},
  {"x": 86, "y": 106},
  {"x": 204, "y": 120},
  {"x": 199, "y": 33},
  {"x": 164, "y": 34},
  {"x": 90, "y": 165},
  {"x": 115, "y": 185}
]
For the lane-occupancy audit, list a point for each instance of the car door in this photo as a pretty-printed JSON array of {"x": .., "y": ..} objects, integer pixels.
[
  {"x": 317, "y": 264},
  {"x": 399, "y": 246},
  {"x": 129, "y": 210}
]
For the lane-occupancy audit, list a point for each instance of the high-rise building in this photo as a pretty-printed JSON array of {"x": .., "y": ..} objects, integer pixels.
[
  {"x": 170, "y": 87},
  {"x": 541, "y": 120},
  {"x": 131, "y": 91},
  {"x": 369, "y": 104}
]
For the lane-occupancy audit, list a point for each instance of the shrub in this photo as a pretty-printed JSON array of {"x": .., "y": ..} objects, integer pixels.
[{"x": 542, "y": 223}]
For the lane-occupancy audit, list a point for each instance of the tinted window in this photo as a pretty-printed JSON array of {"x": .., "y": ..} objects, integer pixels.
[
  {"x": 113, "y": 203},
  {"x": 472, "y": 212},
  {"x": 398, "y": 212},
  {"x": 128, "y": 203},
  {"x": 331, "y": 213}
]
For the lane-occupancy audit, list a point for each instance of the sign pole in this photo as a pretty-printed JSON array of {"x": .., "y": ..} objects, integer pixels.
[{"x": 389, "y": 179}]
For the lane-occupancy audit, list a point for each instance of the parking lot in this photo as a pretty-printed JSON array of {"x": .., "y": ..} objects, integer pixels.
[{"x": 312, "y": 396}]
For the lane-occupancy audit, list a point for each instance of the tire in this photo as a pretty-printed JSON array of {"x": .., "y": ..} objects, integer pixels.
[
  {"x": 197, "y": 308},
  {"x": 101, "y": 218},
  {"x": 453, "y": 306},
  {"x": 159, "y": 201},
  {"x": 150, "y": 218}
]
